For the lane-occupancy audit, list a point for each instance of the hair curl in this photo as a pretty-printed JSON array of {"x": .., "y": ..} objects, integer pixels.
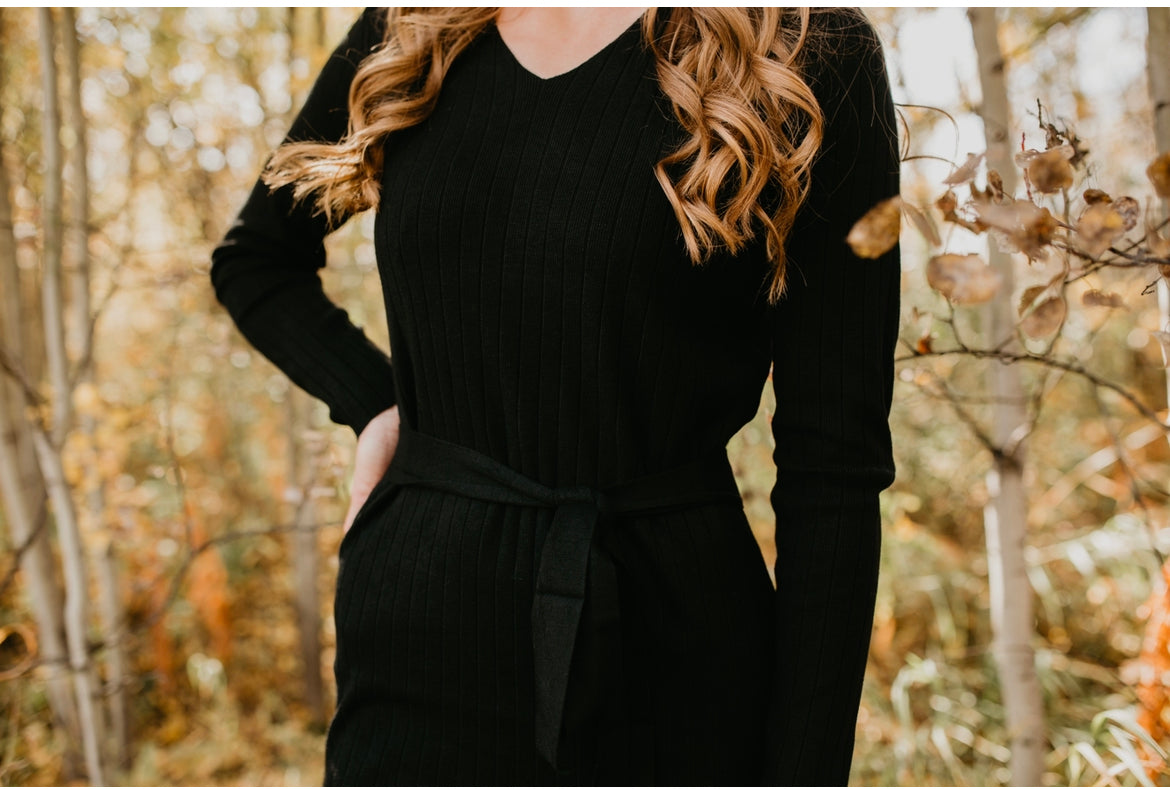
[{"x": 751, "y": 123}]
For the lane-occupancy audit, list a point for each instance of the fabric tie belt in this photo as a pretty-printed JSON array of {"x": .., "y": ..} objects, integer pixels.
[{"x": 565, "y": 561}]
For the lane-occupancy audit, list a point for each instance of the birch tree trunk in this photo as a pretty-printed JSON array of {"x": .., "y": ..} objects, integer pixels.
[
  {"x": 76, "y": 594},
  {"x": 81, "y": 342},
  {"x": 20, "y": 499},
  {"x": 48, "y": 443},
  {"x": 1006, "y": 514},
  {"x": 52, "y": 298},
  {"x": 13, "y": 310},
  {"x": 78, "y": 230},
  {"x": 302, "y": 468},
  {"x": 1158, "y": 72}
]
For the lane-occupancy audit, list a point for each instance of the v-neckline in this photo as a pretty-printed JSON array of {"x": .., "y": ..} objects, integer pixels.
[{"x": 634, "y": 26}]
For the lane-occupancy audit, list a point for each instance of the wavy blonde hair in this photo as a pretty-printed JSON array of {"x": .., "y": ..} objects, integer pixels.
[{"x": 752, "y": 123}]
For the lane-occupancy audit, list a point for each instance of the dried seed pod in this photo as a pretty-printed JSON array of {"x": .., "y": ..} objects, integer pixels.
[
  {"x": 1026, "y": 225},
  {"x": 1045, "y": 319},
  {"x": 1099, "y": 227},
  {"x": 964, "y": 279},
  {"x": 947, "y": 203},
  {"x": 966, "y": 171},
  {"x": 1129, "y": 209},
  {"x": 877, "y": 232},
  {"x": 923, "y": 222},
  {"x": 1028, "y": 298},
  {"x": 995, "y": 184},
  {"x": 1050, "y": 171},
  {"x": 1159, "y": 174},
  {"x": 1099, "y": 298}
]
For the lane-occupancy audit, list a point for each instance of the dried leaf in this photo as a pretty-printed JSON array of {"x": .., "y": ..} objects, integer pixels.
[
  {"x": 1045, "y": 319},
  {"x": 964, "y": 279},
  {"x": 1064, "y": 151},
  {"x": 1099, "y": 227},
  {"x": 966, "y": 171},
  {"x": 948, "y": 205},
  {"x": 1023, "y": 158},
  {"x": 1096, "y": 196},
  {"x": 1159, "y": 174},
  {"x": 1028, "y": 298},
  {"x": 1129, "y": 209},
  {"x": 1026, "y": 225},
  {"x": 1099, "y": 298},
  {"x": 1050, "y": 171},
  {"x": 876, "y": 233},
  {"x": 922, "y": 222},
  {"x": 995, "y": 184}
]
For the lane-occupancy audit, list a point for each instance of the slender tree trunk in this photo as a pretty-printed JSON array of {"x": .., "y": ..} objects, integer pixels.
[
  {"x": 1006, "y": 514},
  {"x": 36, "y": 562},
  {"x": 52, "y": 298},
  {"x": 17, "y": 466},
  {"x": 21, "y": 338},
  {"x": 1158, "y": 72},
  {"x": 76, "y": 597},
  {"x": 81, "y": 342},
  {"x": 306, "y": 563},
  {"x": 48, "y": 443},
  {"x": 78, "y": 230}
]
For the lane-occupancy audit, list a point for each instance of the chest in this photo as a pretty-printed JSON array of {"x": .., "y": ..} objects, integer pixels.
[
  {"x": 537, "y": 199},
  {"x": 521, "y": 167}
]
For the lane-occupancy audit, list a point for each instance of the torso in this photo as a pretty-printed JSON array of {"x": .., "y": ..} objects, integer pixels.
[{"x": 543, "y": 309}]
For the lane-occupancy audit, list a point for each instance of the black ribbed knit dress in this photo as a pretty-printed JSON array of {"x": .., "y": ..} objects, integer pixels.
[{"x": 546, "y": 320}]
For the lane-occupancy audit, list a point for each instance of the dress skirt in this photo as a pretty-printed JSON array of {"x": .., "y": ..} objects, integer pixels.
[{"x": 434, "y": 660}]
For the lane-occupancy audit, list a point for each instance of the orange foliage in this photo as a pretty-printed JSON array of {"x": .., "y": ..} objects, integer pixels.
[
  {"x": 207, "y": 585},
  {"x": 1152, "y": 693},
  {"x": 164, "y": 652}
]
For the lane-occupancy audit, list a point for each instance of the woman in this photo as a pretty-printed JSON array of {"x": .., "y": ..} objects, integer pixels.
[{"x": 591, "y": 251}]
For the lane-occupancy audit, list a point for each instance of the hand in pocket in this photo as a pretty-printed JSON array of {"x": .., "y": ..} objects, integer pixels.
[{"x": 375, "y": 450}]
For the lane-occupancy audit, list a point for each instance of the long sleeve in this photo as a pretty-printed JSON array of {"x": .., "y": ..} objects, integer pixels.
[
  {"x": 265, "y": 271},
  {"x": 833, "y": 348}
]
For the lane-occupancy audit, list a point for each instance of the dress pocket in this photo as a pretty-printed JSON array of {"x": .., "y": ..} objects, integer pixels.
[{"x": 381, "y": 492}]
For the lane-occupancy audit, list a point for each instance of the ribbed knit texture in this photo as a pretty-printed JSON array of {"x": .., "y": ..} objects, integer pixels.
[{"x": 543, "y": 312}]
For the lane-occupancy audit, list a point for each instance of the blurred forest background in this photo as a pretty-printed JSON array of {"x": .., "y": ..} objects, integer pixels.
[{"x": 172, "y": 506}]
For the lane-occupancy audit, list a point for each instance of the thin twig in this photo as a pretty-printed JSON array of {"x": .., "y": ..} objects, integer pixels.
[
  {"x": 41, "y": 524},
  {"x": 943, "y": 392},
  {"x": 1011, "y": 357},
  {"x": 17, "y": 373}
]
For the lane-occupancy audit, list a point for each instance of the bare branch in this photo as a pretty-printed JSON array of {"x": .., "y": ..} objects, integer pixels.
[
  {"x": 1011, "y": 357},
  {"x": 17, "y": 373}
]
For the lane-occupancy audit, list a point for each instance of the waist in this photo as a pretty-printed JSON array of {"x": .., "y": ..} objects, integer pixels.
[{"x": 427, "y": 462}]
